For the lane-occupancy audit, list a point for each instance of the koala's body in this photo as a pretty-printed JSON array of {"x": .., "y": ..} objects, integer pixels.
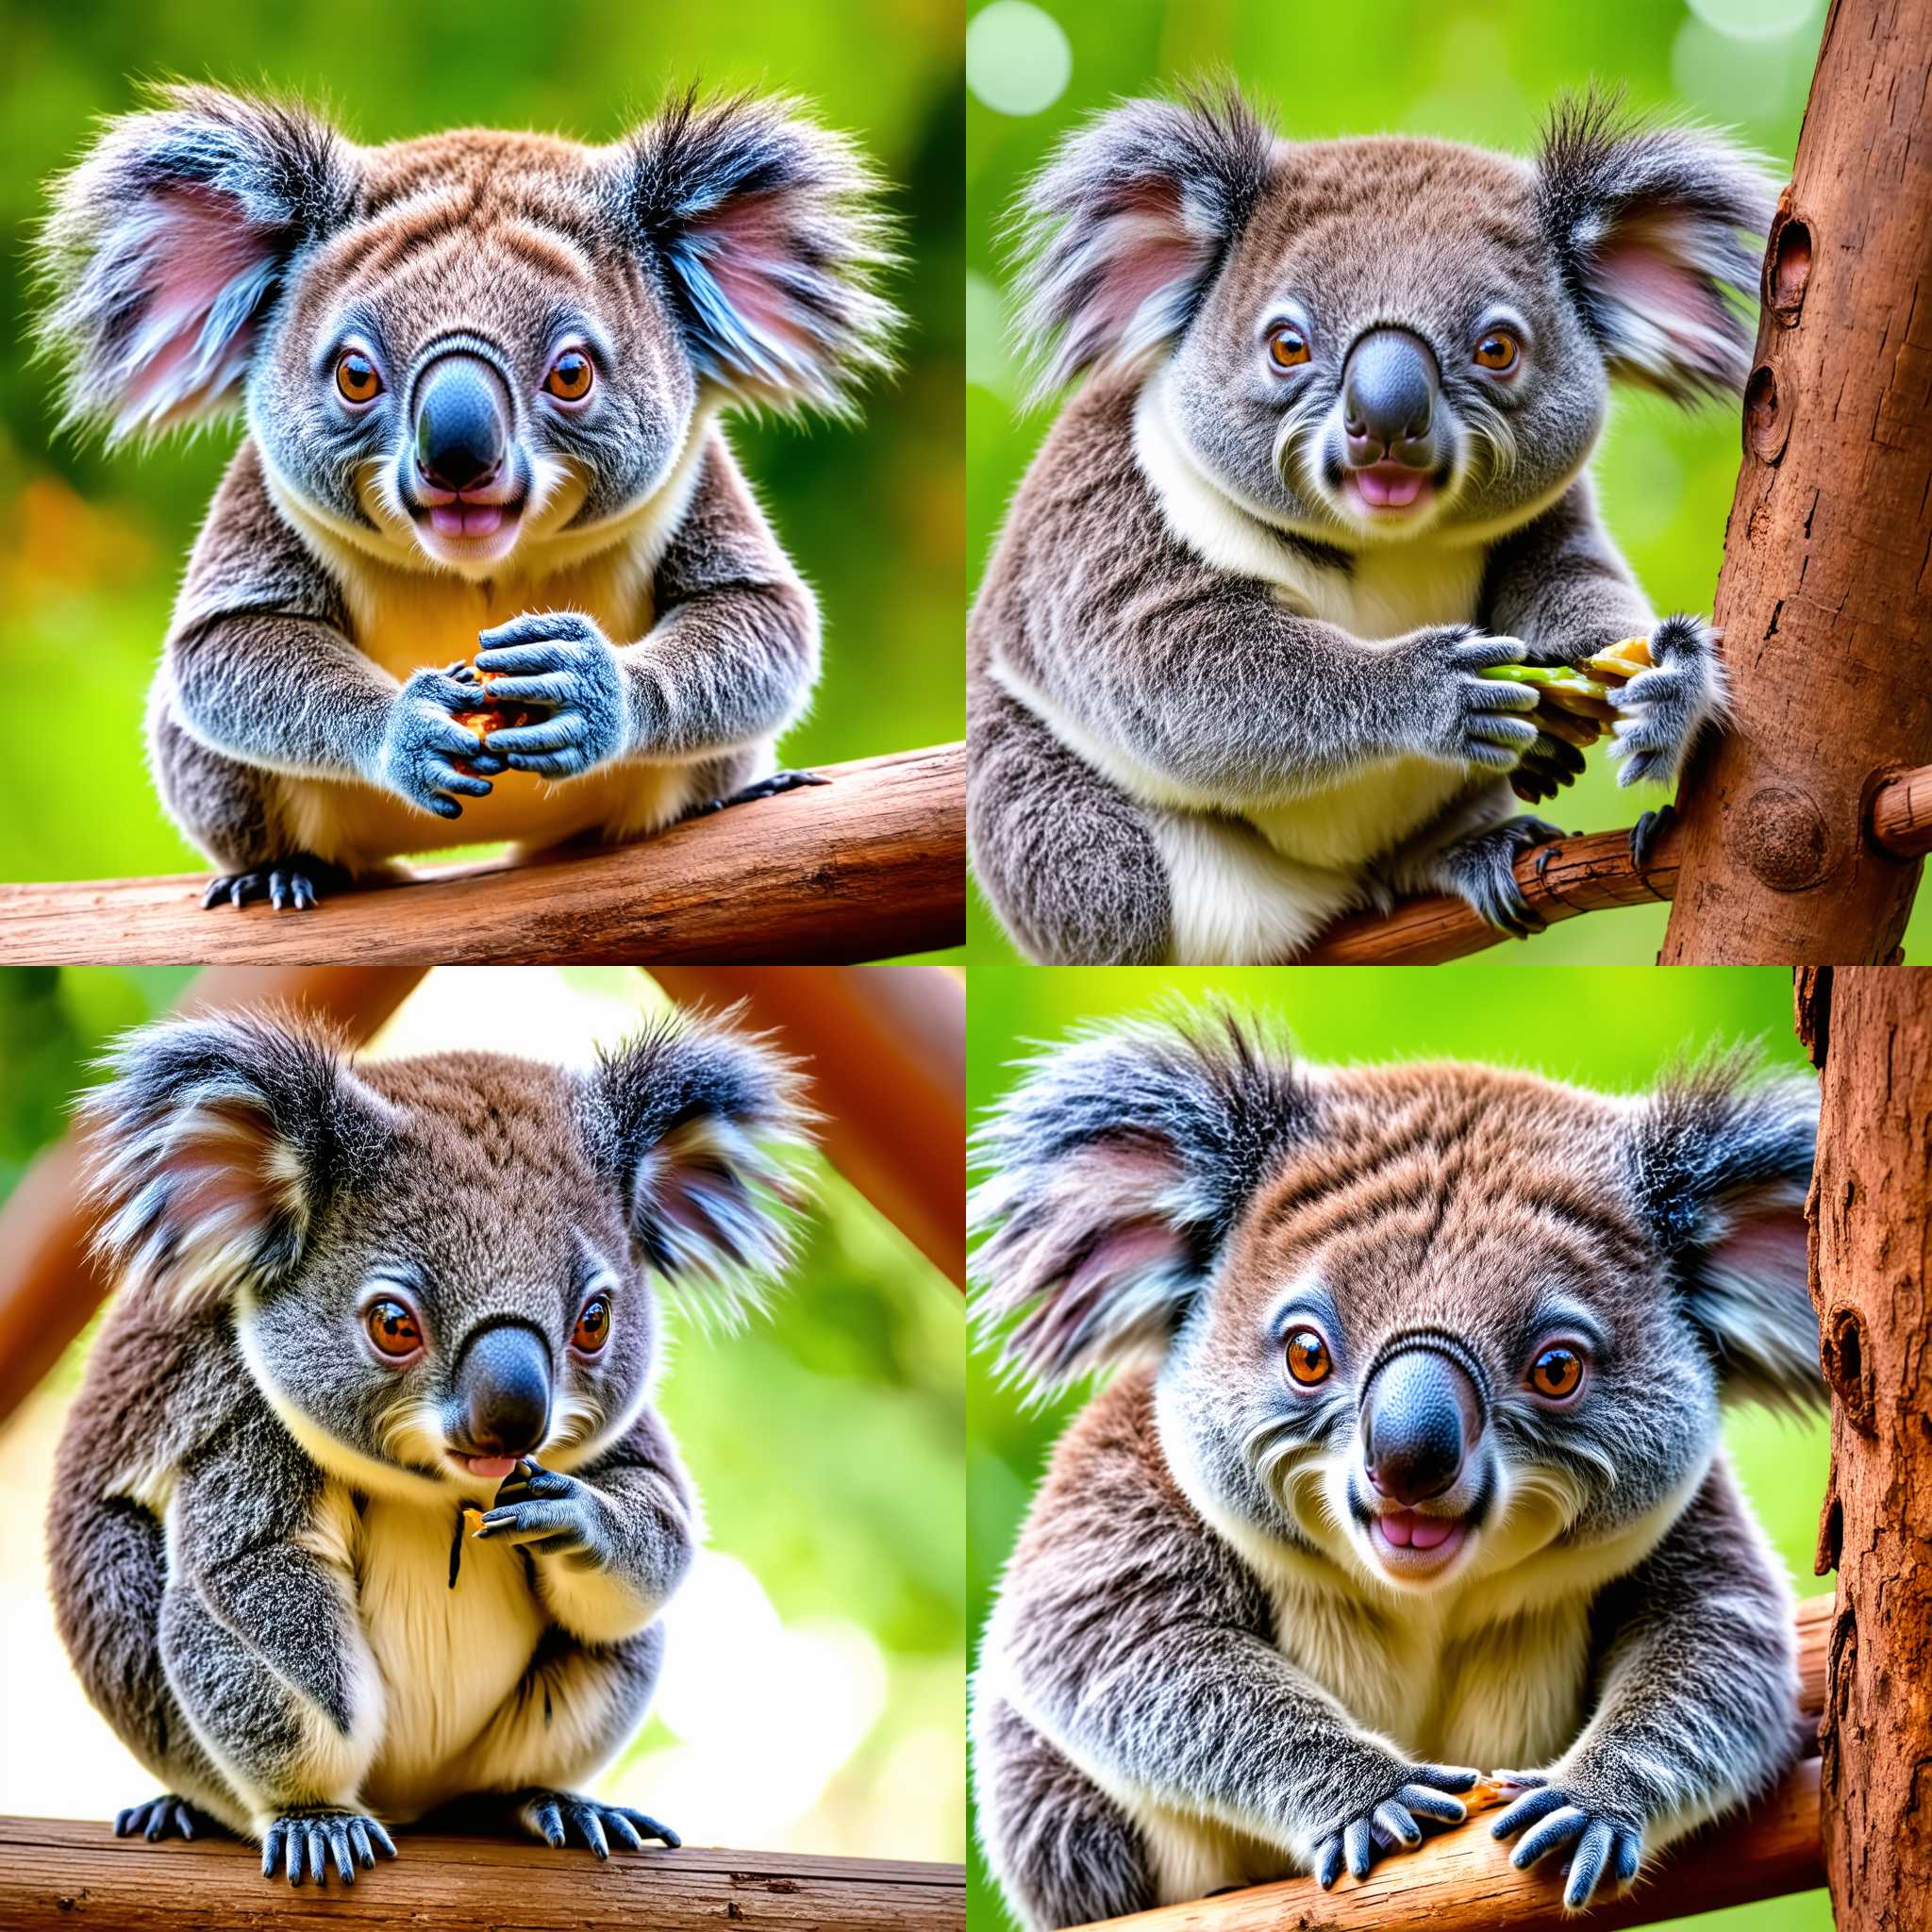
[
  {"x": 365, "y": 1507},
  {"x": 483, "y": 373},
  {"x": 1411, "y": 1470},
  {"x": 1329, "y": 463}
]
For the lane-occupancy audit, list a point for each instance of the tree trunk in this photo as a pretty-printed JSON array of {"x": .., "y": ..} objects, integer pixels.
[
  {"x": 1870, "y": 1211},
  {"x": 1823, "y": 600}
]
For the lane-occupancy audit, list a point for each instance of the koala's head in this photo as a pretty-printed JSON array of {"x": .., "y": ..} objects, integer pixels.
[
  {"x": 453, "y": 347},
  {"x": 1423, "y": 1324},
  {"x": 436, "y": 1266},
  {"x": 1365, "y": 340}
]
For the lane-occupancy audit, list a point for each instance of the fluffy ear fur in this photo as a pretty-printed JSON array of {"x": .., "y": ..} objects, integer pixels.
[
  {"x": 770, "y": 235},
  {"x": 1123, "y": 230},
  {"x": 165, "y": 246},
  {"x": 214, "y": 1146},
  {"x": 1120, "y": 1164},
  {"x": 1660, "y": 232},
  {"x": 693, "y": 1121},
  {"x": 1720, "y": 1158}
]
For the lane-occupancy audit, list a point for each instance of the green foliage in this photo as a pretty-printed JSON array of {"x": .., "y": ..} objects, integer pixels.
[
  {"x": 1611, "y": 1029},
  {"x": 92, "y": 544},
  {"x": 1480, "y": 71}
]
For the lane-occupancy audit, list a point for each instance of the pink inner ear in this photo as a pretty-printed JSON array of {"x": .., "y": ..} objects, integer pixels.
[
  {"x": 1145, "y": 247},
  {"x": 1643, "y": 268},
  {"x": 1774, "y": 1247},
  {"x": 751, "y": 246}
]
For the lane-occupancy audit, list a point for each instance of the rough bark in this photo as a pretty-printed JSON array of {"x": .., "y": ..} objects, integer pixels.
[
  {"x": 1870, "y": 1210},
  {"x": 1822, "y": 601}
]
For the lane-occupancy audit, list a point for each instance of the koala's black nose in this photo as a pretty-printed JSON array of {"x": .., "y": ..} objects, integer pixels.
[
  {"x": 1420, "y": 1414},
  {"x": 1388, "y": 399},
  {"x": 462, "y": 423},
  {"x": 503, "y": 1386}
]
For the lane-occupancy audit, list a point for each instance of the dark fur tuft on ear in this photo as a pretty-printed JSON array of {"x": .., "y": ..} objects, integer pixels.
[
  {"x": 215, "y": 1145},
  {"x": 771, "y": 240},
  {"x": 1120, "y": 1164},
  {"x": 694, "y": 1121},
  {"x": 1660, "y": 233},
  {"x": 1720, "y": 1162},
  {"x": 165, "y": 246},
  {"x": 1119, "y": 235}
]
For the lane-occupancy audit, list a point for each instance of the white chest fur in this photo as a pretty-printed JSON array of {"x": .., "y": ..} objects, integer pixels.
[{"x": 448, "y": 1657}]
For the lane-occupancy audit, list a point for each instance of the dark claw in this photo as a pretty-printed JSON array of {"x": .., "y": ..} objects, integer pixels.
[
  {"x": 1544, "y": 853},
  {"x": 291, "y": 884},
  {"x": 1643, "y": 834},
  {"x": 560, "y": 1816},
  {"x": 764, "y": 788}
]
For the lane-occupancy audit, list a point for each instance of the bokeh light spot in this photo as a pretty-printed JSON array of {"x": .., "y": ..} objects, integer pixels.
[
  {"x": 1752, "y": 20},
  {"x": 1016, "y": 58}
]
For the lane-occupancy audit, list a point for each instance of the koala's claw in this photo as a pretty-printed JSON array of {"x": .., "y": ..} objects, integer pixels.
[
  {"x": 546, "y": 1512},
  {"x": 290, "y": 885},
  {"x": 1555, "y": 1818},
  {"x": 1644, "y": 832},
  {"x": 165, "y": 1817},
  {"x": 556, "y": 1817},
  {"x": 1482, "y": 873},
  {"x": 303, "y": 1841},
  {"x": 1396, "y": 1821},
  {"x": 764, "y": 788}
]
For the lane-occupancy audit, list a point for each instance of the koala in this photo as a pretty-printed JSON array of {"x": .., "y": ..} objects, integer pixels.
[
  {"x": 1329, "y": 464},
  {"x": 482, "y": 374},
  {"x": 365, "y": 1507},
  {"x": 1410, "y": 1466}
]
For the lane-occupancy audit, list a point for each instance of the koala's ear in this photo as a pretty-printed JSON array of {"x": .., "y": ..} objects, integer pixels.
[
  {"x": 1660, "y": 233},
  {"x": 165, "y": 243},
  {"x": 771, "y": 239},
  {"x": 695, "y": 1123},
  {"x": 1120, "y": 1164},
  {"x": 1119, "y": 234},
  {"x": 214, "y": 1146},
  {"x": 1720, "y": 1158}
]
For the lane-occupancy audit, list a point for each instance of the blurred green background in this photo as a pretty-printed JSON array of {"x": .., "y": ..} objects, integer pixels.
[
  {"x": 1611, "y": 1029},
  {"x": 92, "y": 545},
  {"x": 814, "y": 1690},
  {"x": 1479, "y": 71}
]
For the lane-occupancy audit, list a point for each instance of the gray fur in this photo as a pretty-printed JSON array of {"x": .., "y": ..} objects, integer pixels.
[
  {"x": 242, "y": 1463},
  {"x": 1198, "y": 1671},
  {"x": 1204, "y": 660}
]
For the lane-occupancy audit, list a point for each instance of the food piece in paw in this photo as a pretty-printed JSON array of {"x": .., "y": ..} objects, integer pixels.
[
  {"x": 1620, "y": 663},
  {"x": 492, "y": 715}
]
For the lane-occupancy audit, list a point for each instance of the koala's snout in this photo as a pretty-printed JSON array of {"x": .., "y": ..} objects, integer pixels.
[
  {"x": 503, "y": 1390},
  {"x": 462, "y": 423},
  {"x": 1421, "y": 1416},
  {"x": 1388, "y": 392}
]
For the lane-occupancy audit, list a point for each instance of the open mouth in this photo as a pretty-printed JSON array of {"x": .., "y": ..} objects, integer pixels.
[
  {"x": 464, "y": 527},
  {"x": 1389, "y": 489},
  {"x": 1407, "y": 1544},
  {"x": 489, "y": 1469}
]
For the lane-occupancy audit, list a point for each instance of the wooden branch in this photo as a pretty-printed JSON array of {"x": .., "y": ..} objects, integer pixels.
[
  {"x": 1559, "y": 880},
  {"x": 1462, "y": 1880},
  {"x": 1822, "y": 601},
  {"x": 50, "y": 1286},
  {"x": 870, "y": 865},
  {"x": 1902, "y": 814},
  {"x": 885, "y": 1050},
  {"x": 1870, "y": 1213},
  {"x": 55, "y": 1873}
]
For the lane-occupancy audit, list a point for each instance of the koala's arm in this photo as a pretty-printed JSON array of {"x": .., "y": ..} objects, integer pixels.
[
  {"x": 1131, "y": 1634},
  {"x": 612, "y": 1540},
  {"x": 1697, "y": 1702},
  {"x": 1196, "y": 687}
]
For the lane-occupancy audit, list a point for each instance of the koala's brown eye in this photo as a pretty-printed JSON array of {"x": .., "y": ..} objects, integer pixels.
[
  {"x": 1498, "y": 350},
  {"x": 1556, "y": 1372},
  {"x": 1307, "y": 1357},
  {"x": 1287, "y": 348},
  {"x": 594, "y": 1325},
  {"x": 570, "y": 376},
  {"x": 393, "y": 1329},
  {"x": 356, "y": 378}
]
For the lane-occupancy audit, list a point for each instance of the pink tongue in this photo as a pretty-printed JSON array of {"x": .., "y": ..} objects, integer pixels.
[
  {"x": 1407, "y": 1530},
  {"x": 466, "y": 519},
  {"x": 1389, "y": 489},
  {"x": 492, "y": 1469}
]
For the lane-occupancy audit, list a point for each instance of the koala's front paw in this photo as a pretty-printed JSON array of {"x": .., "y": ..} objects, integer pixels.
[
  {"x": 1413, "y": 1792},
  {"x": 422, "y": 744},
  {"x": 550, "y": 1515},
  {"x": 1475, "y": 720},
  {"x": 1561, "y": 1815},
  {"x": 303, "y": 1839},
  {"x": 1664, "y": 708},
  {"x": 558, "y": 658},
  {"x": 556, "y": 1817}
]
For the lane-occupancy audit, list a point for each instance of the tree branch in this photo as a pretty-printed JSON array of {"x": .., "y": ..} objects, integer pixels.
[{"x": 871, "y": 864}]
